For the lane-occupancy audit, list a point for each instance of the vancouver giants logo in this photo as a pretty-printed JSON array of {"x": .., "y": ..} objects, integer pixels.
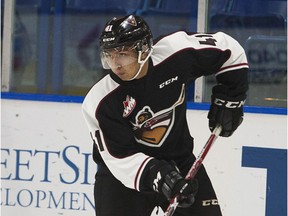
[{"x": 151, "y": 128}]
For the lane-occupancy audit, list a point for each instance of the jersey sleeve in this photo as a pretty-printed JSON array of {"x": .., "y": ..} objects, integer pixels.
[
  {"x": 233, "y": 66},
  {"x": 224, "y": 43},
  {"x": 114, "y": 141},
  {"x": 201, "y": 54},
  {"x": 205, "y": 54}
]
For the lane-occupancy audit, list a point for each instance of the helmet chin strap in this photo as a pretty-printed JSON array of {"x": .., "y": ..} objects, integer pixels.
[{"x": 141, "y": 62}]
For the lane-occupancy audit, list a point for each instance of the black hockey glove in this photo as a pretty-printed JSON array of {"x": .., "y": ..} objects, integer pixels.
[
  {"x": 225, "y": 110},
  {"x": 174, "y": 184},
  {"x": 168, "y": 181}
]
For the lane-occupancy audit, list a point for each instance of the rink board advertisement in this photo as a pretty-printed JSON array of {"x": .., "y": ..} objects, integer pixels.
[{"x": 47, "y": 167}]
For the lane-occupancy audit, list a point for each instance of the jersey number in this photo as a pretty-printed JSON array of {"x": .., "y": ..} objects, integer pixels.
[
  {"x": 208, "y": 39},
  {"x": 99, "y": 140}
]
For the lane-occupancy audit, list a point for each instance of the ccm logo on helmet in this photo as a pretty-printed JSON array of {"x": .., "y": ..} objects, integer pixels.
[
  {"x": 229, "y": 104},
  {"x": 108, "y": 39}
]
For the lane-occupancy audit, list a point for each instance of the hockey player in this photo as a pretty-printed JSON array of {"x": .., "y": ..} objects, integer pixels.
[{"x": 137, "y": 116}]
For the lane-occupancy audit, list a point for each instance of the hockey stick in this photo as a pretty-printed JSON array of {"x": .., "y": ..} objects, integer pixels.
[{"x": 195, "y": 167}]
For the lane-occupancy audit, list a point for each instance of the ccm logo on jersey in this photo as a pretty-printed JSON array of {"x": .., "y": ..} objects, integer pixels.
[
  {"x": 229, "y": 104},
  {"x": 167, "y": 82}
]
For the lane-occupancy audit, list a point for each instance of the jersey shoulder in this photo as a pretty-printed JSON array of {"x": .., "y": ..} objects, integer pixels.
[
  {"x": 185, "y": 42},
  {"x": 171, "y": 44},
  {"x": 98, "y": 92}
]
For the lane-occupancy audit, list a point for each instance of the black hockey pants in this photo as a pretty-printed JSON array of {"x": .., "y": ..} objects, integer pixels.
[{"x": 112, "y": 198}]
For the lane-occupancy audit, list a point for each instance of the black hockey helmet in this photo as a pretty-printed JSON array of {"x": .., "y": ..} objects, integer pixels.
[
  {"x": 129, "y": 32},
  {"x": 126, "y": 31}
]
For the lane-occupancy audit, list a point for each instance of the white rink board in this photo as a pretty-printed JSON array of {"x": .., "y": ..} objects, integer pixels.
[
  {"x": 240, "y": 190},
  {"x": 47, "y": 169},
  {"x": 60, "y": 130}
]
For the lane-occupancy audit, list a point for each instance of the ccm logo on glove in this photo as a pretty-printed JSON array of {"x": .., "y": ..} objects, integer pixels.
[
  {"x": 227, "y": 112},
  {"x": 229, "y": 104},
  {"x": 156, "y": 182}
]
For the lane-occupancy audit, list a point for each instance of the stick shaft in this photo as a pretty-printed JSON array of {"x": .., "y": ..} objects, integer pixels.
[
  {"x": 195, "y": 167},
  {"x": 198, "y": 162}
]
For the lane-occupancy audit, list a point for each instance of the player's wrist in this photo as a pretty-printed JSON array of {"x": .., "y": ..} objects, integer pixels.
[{"x": 227, "y": 97}]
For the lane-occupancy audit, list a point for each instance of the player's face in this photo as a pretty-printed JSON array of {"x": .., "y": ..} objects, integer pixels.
[{"x": 123, "y": 61}]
